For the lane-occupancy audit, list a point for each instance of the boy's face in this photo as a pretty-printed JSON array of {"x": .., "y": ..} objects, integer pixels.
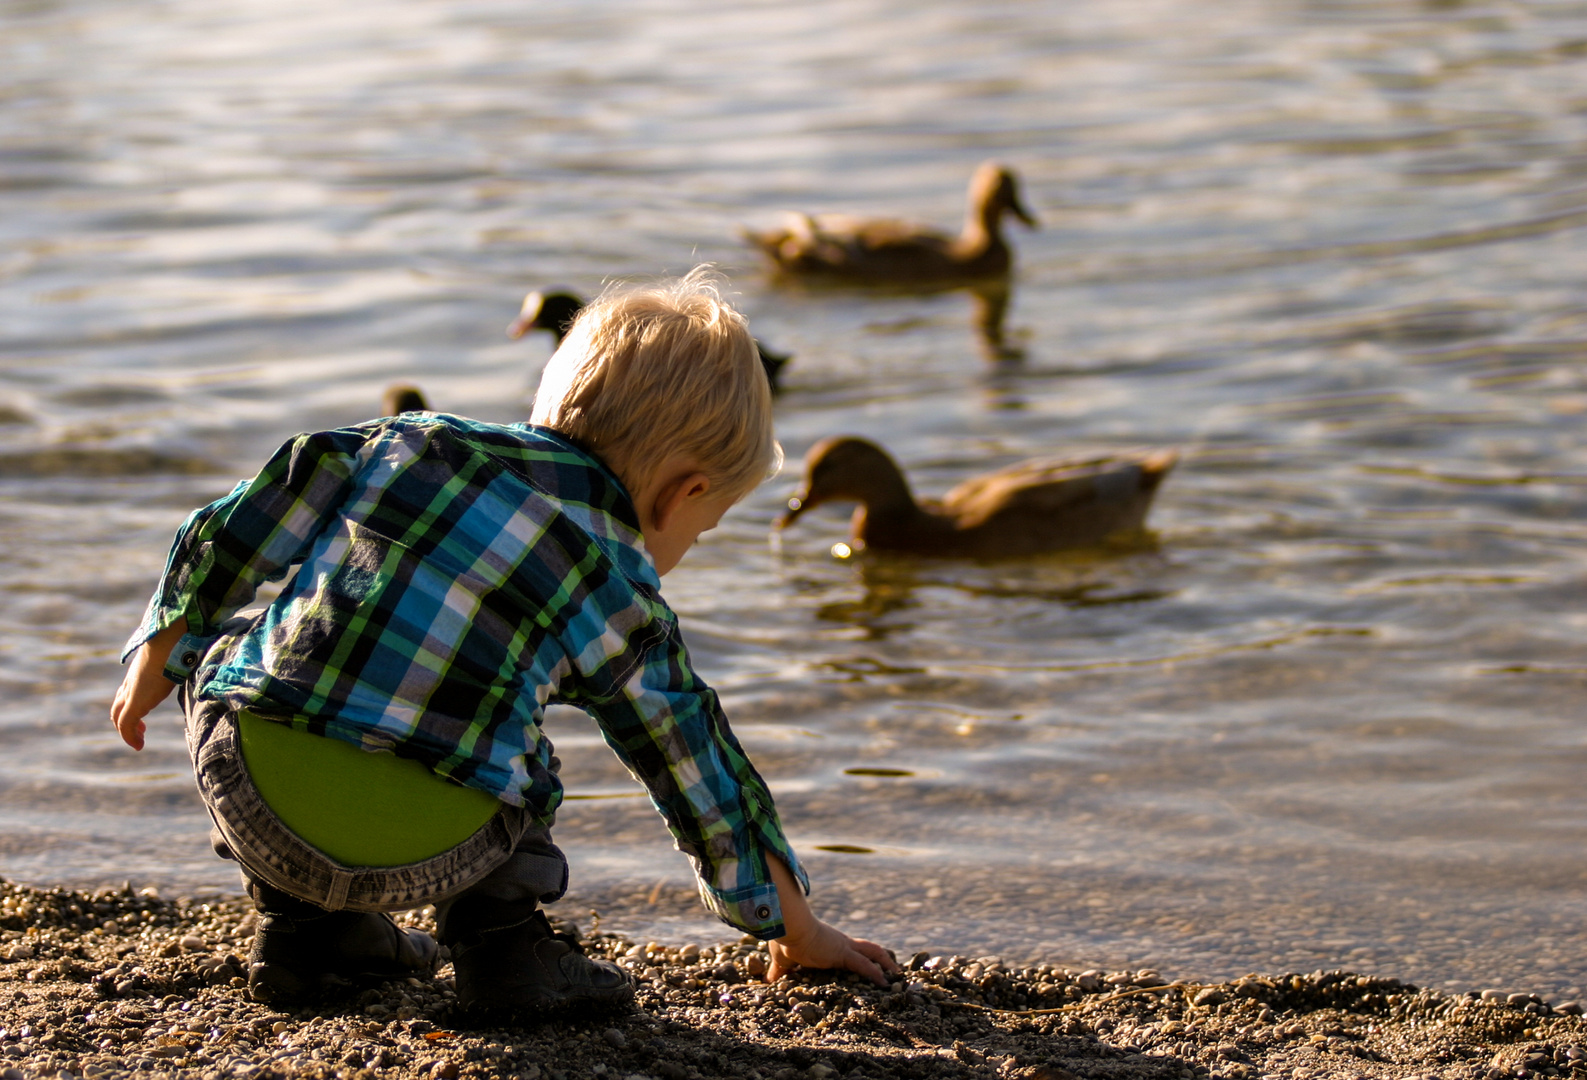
[{"x": 694, "y": 515}]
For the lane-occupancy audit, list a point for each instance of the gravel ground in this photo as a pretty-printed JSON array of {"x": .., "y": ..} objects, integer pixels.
[{"x": 122, "y": 983}]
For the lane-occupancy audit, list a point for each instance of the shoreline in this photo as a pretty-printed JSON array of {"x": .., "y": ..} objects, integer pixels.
[{"x": 123, "y": 983}]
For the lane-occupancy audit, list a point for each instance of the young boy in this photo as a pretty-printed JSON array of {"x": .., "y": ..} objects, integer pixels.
[{"x": 452, "y": 578}]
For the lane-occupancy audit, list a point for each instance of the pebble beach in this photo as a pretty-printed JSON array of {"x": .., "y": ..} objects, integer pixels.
[{"x": 128, "y": 983}]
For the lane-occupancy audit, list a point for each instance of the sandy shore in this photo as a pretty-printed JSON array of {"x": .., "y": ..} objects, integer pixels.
[{"x": 124, "y": 983}]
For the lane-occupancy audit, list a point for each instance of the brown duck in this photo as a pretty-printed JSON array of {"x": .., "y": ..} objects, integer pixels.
[
  {"x": 884, "y": 251},
  {"x": 1044, "y": 504},
  {"x": 555, "y": 312}
]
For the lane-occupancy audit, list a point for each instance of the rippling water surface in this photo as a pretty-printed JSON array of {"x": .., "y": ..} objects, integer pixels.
[{"x": 1332, "y": 251}]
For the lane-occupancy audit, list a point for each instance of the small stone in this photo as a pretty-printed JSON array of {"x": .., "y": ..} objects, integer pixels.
[
  {"x": 446, "y": 1071},
  {"x": 615, "y": 1039},
  {"x": 1208, "y": 995},
  {"x": 688, "y": 954},
  {"x": 1493, "y": 995},
  {"x": 280, "y": 1027},
  {"x": 1518, "y": 999},
  {"x": 808, "y": 1012},
  {"x": 755, "y": 964},
  {"x": 1089, "y": 982},
  {"x": 193, "y": 943},
  {"x": 728, "y": 972},
  {"x": 1568, "y": 1008}
]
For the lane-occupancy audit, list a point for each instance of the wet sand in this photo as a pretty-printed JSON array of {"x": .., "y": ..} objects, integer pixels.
[{"x": 120, "y": 982}]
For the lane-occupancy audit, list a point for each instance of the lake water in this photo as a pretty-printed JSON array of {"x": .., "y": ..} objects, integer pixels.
[{"x": 1332, "y": 251}]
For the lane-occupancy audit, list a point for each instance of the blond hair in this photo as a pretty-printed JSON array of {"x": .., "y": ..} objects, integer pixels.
[{"x": 669, "y": 368}]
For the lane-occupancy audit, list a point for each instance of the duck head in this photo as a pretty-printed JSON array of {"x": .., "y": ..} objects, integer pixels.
[
  {"x": 846, "y": 468},
  {"x": 403, "y": 397},
  {"x": 993, "y": 189},
  {"x": 553, "y": 311}
]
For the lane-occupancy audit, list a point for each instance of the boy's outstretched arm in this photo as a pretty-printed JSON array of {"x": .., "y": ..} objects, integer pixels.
[
  {"x": 145, "y": 684},
  {"x": 811, "y": 943}
]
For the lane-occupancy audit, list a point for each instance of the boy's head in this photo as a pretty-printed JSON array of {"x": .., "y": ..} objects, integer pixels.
[{"x": 653, "y": 373}]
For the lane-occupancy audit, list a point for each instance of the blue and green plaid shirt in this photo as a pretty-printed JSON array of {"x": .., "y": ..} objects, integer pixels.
[{"x": 453, "y": 578}]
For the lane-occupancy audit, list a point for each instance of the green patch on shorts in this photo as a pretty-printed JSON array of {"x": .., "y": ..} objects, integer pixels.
[{"x": 358, "y": 807}]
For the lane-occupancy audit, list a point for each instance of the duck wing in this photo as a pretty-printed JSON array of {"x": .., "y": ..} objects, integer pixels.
[
  {"x": 1046, "y": 503},
  {"x": 845, "y": 245}
]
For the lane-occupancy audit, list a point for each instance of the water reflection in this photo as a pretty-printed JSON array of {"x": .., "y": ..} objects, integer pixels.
[
  {"x": 892, "y": 584},
  {"x": 90, "y": 461},
  {"x": 989, "y": 311}
]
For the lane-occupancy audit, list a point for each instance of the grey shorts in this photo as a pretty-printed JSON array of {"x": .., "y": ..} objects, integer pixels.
[{"x": 510, "y": 857}]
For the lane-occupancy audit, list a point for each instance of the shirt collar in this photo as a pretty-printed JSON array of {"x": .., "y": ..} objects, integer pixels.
[{"x": 623, "y": 506}]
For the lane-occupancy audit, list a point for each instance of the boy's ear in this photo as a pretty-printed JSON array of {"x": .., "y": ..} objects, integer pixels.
[{"x": 675, "y": 492}]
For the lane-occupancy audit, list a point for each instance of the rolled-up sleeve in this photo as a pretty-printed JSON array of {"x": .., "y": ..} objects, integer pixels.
[{"x": 668, "y": 728}]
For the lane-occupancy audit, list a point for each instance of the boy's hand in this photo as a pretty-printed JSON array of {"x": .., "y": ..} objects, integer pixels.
[
  {"x": 810, "y": 942},
  {"x": 824, "y": 946},
  {"x": 145, "y": 684}
]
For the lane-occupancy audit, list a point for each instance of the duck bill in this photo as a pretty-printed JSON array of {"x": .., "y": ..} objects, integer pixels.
[
  {"x": 796, "y": 506},
  {"x": 528, "y": 316},
  {"x": 1019, "y": 211}
]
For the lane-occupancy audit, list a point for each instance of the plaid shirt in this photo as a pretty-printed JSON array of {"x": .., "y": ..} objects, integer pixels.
[{"x": 453, "y": 578}]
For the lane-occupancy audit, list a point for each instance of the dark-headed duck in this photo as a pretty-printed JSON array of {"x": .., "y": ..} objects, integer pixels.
[
  {"x": 403, "y": 397},
  {"x": 555, "y": 312}
]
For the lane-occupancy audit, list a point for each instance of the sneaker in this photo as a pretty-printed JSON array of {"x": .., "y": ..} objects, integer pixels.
[
  {"x": 301, "y": 950},
  {"x": 507, "y": 959}
]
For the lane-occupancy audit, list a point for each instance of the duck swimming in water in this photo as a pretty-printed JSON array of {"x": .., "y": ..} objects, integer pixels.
[
  {"x": 555, "y": 311},
  {"x": 883, "y": 251},
  {"x": 1044, "y": 504}
]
